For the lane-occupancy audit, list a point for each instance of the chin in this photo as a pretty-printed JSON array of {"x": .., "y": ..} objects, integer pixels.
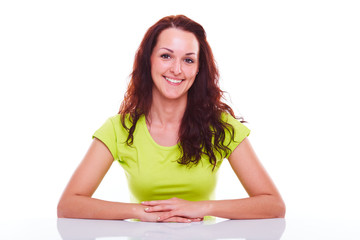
[{"x": 174, "y": 96}]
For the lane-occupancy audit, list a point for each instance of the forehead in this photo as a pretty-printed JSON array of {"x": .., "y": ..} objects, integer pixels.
[{"x": 177, "y": 40}]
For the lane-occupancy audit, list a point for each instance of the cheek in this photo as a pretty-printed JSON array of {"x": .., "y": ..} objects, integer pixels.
[
  {"x": 191, "y": 73},
  {"x": 154, "y": 64},
  {"x": 158, "y": 67},
  {"x": 155, "y": 71}
]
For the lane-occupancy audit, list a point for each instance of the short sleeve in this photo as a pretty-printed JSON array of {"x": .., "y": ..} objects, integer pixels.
[
  {"x": 107, "y": 134},
  {"x": 240, "y": 132}
]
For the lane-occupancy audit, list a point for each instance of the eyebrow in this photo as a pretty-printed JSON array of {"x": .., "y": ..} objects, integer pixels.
[{"x": 191, "y": 53}]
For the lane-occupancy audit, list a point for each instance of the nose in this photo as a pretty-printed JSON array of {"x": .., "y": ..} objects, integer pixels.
[{"x": 176, "y": 67}]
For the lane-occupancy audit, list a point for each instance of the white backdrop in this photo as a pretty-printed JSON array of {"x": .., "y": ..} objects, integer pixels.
[{"x": 290, "y": 67}]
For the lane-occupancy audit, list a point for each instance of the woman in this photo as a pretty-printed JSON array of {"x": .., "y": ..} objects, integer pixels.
[{"x": 170, "y": 136}]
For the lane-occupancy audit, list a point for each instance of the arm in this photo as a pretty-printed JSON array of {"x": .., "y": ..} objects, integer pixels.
[
  {"x": 77, "y": 201},
  {"x": 264, "y": 199}
]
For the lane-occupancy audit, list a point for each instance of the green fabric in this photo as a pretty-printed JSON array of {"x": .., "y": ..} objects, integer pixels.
[{"x": 152, "y": 170}]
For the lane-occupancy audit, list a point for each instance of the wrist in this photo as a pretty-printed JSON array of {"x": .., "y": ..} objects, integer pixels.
[
  {"x": 207, "y": 207},
  {"x": 134, "y": 211},
  {"x": 138, "y": 212}
]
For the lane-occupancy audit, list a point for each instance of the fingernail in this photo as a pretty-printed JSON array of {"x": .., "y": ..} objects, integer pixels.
[
  {"x": 158, "y": 219},
  {"x": 146, "y": 209},
  {"x": 189, "y": 220}
]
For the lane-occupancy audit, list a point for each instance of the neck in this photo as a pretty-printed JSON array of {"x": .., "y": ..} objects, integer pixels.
[{"x": 166, "y": 112}]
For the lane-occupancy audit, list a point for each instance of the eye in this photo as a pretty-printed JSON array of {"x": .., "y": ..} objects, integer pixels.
[
  {"x": 189, "y": 60},
  {"x": 165, "y": 56}
]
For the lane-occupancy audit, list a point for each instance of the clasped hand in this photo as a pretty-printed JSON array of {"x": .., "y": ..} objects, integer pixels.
[{"x": 173, "y": 210}]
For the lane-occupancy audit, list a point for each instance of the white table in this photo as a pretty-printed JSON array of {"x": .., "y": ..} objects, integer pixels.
[{"x": 216, "y": 229}]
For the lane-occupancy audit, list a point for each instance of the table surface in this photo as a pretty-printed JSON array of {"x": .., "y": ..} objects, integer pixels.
[{"x": 219, "y": 229}]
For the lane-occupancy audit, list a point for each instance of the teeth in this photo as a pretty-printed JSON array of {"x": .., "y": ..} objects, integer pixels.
[{"x": 173, "y": 80}]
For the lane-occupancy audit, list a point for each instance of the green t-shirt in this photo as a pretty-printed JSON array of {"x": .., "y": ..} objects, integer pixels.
[{"x": 153, "y": 172}]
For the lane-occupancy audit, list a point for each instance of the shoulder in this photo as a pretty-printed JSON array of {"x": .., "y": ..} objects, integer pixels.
[
  {"x": 120, "y": 124},
  {"x": 112, "y": 132},
  {"x": 112, "y": 122},
  {"x": 228, "y": 118},
  {"x": 113, "y": 125},
  {"x": 239, "y": 129},
  {"x": 116, "y": 120}
]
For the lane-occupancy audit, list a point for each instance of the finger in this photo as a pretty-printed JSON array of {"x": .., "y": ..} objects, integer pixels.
[
  {"x": 182, "y": 220},
  {"x": 174, "y": 213},
  {"x": 156, "y": 202},
  {"x": 160, "y": 208},
  {"x": 196, "y": 219},
  {"x": 165, "y": 215},
  {"x": 178, "y": 220}
]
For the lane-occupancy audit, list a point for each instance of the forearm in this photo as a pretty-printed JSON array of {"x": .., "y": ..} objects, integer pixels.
[
  {"x": 263, "y": 206},
  {"x": 90, "y": 208}
]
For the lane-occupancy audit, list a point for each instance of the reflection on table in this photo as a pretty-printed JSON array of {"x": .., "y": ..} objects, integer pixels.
[{"x": 219, "y": 229}]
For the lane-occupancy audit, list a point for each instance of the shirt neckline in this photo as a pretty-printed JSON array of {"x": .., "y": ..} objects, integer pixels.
[{"x": 142, "y": 121}]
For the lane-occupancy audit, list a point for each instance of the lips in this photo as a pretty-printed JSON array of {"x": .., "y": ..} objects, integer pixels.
[{"x": 173, "y": 81}]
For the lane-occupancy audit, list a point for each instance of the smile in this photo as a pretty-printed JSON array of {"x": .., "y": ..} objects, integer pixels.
[{"x": 173, "y": 80}]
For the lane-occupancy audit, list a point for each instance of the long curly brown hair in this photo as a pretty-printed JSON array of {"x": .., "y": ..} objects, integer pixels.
[{"x": 202, "y": 131}]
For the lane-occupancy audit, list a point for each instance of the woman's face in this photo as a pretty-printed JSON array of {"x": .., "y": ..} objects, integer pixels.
[{"x": 174, "y": 63}]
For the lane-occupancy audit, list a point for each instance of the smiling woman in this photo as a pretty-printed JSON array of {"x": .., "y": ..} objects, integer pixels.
[
  {"x": 170, "y": 136},
  {"x": 174, "y": 64}
]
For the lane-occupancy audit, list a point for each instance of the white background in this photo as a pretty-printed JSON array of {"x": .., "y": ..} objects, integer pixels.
[{"x": 290, "y": 67}]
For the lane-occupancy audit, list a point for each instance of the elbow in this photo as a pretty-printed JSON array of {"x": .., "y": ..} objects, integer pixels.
[
  {"x": 280, "y": 209},
  {"x": 61, "y": 210}
]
